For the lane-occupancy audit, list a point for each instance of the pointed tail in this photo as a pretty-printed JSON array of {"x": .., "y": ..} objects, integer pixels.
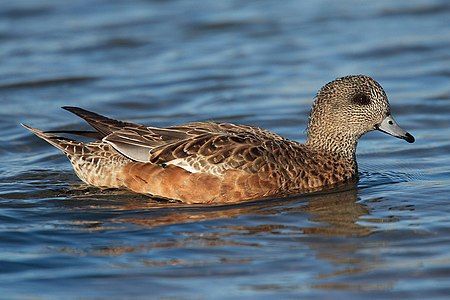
[
  {"x": 68, "y": 146},
  {"x": 102, "y": 124}
]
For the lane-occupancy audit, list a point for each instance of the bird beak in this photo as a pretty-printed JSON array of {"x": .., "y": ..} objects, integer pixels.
[{"x": 389, "y": 126}]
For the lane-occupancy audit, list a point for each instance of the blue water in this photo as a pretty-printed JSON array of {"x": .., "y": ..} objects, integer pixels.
[{"x": 254, "y": 62}]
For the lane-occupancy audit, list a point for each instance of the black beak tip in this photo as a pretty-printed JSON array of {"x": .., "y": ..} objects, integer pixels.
[{"x": 409, "y": 138}]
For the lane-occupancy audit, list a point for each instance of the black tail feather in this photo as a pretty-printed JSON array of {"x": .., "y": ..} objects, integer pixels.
[{"x": 102, "y": 124}]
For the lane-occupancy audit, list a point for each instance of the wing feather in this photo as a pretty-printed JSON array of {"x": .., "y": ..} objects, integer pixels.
[{"x": 199, "y": 147}]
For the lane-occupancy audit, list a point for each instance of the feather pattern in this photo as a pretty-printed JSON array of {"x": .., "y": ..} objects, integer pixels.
[
  {"x": 206, "y": 162},
  {"x": 248, "y": 161},
  {"x": 200, "y": 147}
]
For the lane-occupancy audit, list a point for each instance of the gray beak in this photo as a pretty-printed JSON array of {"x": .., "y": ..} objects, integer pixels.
[{"x": 389, "y": 126}]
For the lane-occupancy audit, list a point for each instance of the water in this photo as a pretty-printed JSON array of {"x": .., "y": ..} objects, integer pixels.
[{"x": 255, "y": 62}]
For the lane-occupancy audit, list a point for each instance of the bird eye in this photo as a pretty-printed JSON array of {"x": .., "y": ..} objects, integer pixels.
[{"x": 361, "y": 99}]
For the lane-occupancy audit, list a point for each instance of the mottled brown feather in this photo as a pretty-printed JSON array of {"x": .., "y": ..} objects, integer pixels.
[{"x": 206, "y": 162}]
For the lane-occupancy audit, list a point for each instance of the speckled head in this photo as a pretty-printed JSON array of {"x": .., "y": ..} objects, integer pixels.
[{"x": 347, "y": 108}]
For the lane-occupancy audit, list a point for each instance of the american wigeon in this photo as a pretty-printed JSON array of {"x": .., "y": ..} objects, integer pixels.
[{"x": 205, "y": 162}]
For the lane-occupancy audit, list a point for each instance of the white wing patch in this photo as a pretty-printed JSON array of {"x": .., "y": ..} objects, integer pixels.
[
  {"x": 193, "y": 167},
  {"x": 182, "y": 163}
]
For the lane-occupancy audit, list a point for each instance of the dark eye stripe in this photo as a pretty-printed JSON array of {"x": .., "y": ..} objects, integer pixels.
[{"x": 361, "y": 99}]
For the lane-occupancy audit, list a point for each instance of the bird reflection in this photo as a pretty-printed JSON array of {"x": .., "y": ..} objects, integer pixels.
[
  {"x": 328, "y": 223},
  {"x": 332, "y": 213}
]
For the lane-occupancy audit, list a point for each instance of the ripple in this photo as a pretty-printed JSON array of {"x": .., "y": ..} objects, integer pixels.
[
  {"x": 392, "y": 50},
  {"x": 418, "y": 10},
  {"x": 25, "y": 12},
  {"x": 260, "y": 63},
  {"x": 46, "y": 82}
]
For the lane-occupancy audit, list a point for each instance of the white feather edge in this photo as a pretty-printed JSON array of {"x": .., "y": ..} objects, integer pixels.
[
  {"x": 179, "y": 162},
  {"x": 175, "y": 162}
]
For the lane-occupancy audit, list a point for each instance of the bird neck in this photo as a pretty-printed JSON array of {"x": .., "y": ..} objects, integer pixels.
[{"x": 339, "y": 144}]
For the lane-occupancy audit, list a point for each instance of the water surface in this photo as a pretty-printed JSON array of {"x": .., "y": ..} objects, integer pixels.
[{"x": 256, "y": 62}]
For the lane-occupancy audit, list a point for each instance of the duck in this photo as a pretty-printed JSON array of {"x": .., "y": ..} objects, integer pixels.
[{"x": 217, "y": 163}]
